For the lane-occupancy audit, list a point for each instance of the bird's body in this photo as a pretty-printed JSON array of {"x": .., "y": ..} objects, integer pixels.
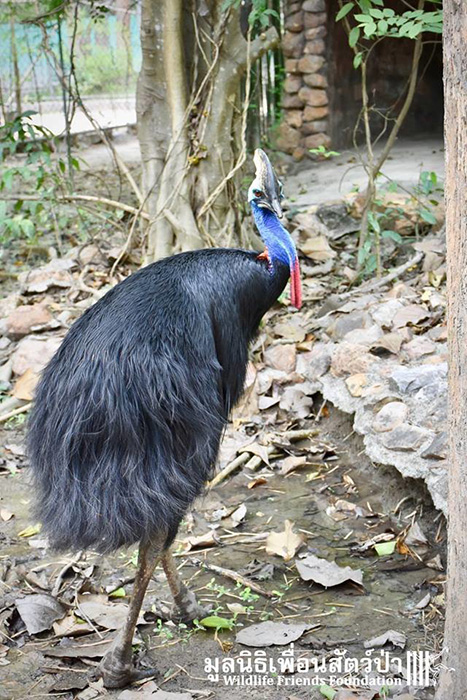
[{"x": 129, "y": 413}]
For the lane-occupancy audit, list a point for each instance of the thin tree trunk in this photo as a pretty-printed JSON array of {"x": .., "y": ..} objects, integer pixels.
[{"x": 453, "y": 680}]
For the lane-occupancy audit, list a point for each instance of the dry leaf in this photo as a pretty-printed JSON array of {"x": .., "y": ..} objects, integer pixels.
[
  {"x": 285, "y": 544},
  {"x": 254, "y": 448},
  {"x": 6, "y": 514},
  {"x": 25, "y": 386},
  {"x": 260, "y": 481},
  {"x": 208, "y": 539},
  {"x": 326, "y": 573},
  {"x": 291, "y": 463}
]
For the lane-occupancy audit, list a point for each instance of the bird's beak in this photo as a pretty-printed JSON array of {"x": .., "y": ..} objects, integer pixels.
[{"x": 269, "y": 183}]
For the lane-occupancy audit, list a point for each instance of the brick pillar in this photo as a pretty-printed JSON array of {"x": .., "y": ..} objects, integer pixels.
[{"x": 305, "y": 99}]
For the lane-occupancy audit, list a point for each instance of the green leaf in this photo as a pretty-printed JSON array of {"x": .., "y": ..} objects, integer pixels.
[
  {"x": 216, "y": 622},
  {"x": 382, "y": 26},
  {"x": 428, "y": 216},
  {"x": 392, "y": 235},
  {"x": 344, "y": 11},
  {"x": 354, "y": 36},
  {"x": 118, "y": 593},
  {"x": 327, "y": 691},
  {"x": 357, "y": 60},
  {"x": 369, "y": 28},
  {"x": 384, "y": 549}
]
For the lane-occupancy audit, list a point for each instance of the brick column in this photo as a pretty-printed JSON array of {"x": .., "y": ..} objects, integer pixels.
[{"x": 305, "y": 99}]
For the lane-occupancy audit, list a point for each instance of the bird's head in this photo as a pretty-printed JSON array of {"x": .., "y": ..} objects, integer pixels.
[
  {"x": 265, "y": 196},
  {"x": 266, "y": 189}
]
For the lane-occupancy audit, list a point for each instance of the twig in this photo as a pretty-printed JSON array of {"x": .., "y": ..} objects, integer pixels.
[
  {"x": 234, "y": 576},
  {"x": 372, "y": 286},
  {"x": 62, "y": 572},
  {"x": 16, "y": 412}
]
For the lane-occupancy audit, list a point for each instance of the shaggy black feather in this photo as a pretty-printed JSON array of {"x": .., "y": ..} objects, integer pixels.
[{"x": 129, "y": 413}]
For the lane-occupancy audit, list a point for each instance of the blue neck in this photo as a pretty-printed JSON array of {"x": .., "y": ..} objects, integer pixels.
[{"x": 276, "y": 238}]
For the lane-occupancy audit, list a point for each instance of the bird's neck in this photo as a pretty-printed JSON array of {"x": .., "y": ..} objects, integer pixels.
[{"x": 276, "y": 238}]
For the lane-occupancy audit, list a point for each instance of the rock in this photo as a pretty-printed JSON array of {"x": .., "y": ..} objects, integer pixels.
[
  {"x": 316, "y": 33},
  {"x": 292, "y": 83},
  {"x": 288, "y": 138},
  {"x": 294, "y": 22},
  {"x": 388, "y": 343},
  {"x": 356, "y": 383},
  {"x": 314, "y": 19},
  {"x": 312, "y": 113},
  {"x": 410, "y": 379},
  {"x": 317, "y": 248},
  {"x": 334, "y": 215},
  {"x": 317, "y": 140},
  {"x": 349, "y": 358},
  {"x": 292, "y": 44},
  {"x": 89, "y": 253},
  {"x": 438, "y": 448},
  {"x": 364, "y": 336},
  {"x": 282, "y": 357},
  {"x": 384, "y": 313},
  {"x": 315, "y": 80},
  {"x": 315, "y": 363},
  {"x": 418, "y": 347},
  {"x": 413, "y": 314},
  {"x": 315, "y": 127},
  {"x": 8, "y": 304},
  {"x": 33, "y": 353},
  {"x": 299, "y": 153},
  {"x": 315, "y": 47},
  {"x": 6, "y": 371},
  {"x": 25, "y": 319},
  {"x": 291, "y": 65},
  {"x": 294, "y": 118},
  {"x": 311, "y": 64},
  {"x": 54, "y": 274},
  {"x": 348, "y": 322},
  {"x": 406, "y": 438},
  {"x": 390, "y": 416},
  {"x": 314, "y": 5},
  {"x": 292, "y": 102}
]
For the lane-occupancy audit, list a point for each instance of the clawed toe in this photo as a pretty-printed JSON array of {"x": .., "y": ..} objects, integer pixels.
[{"x": 115, "y": 674}]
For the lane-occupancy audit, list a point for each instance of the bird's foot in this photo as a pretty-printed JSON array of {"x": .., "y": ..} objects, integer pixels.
[
  {"x": 186, "y": 608},
  {"x": 118, "y": 674}
]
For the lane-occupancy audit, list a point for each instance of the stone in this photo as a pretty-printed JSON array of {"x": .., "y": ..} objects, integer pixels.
[
  {"x": 364, "y": 336},
  {"x": 438, "y": 448},
  {"x": 292, "y": 102},
  {"x": 316, "y": 47},
  {"x": 291, "y": 65},
  {"x": 294, "y": 117},
  {"x": 54, "y": 274},
  {"x": 405, "y": 438},
  {"x": 288, "y": 138},
  {"x": 385, "y": 312},
  {"x": 345, "y": 323},
  {"x": 299, "y": 153},
  {"x": 350, "y": 358},
  {"x": 390, "y": 416},
  {"x": 314, "y": 5},
  {"x": 292, "y": 83},
  {"x": 33, "y": 353},
  {"x": 316, "y": 33},
  {"x": 310, "y": 64},
  {"x": 411, "y": 379},
  {"x": 315, "y": 363},
  {"x": 24, "y": 319},
  {"x": 294, "y": 23},
  {"x": 282, "y": 357},
  {"x": 315, "y": 80},
  {"x": 89, "y": 253},
  {"x": 292, "y": 44},
  {"x": 293, "y": 8},
  {"x": 315, "y": 98},
  {"x": 418, "y": 347},
  {"x": 314, "y": 19},
  {"x": 8, "y": 304},
  {"x": 317, "y": 140},
  {"x": 314, "y": 127},
  {"x": 311, "y": 114},
  {"x": 356, "y": 383}
]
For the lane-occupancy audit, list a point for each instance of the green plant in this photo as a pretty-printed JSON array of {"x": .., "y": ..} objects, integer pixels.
[{"x": 323, "y": 152}]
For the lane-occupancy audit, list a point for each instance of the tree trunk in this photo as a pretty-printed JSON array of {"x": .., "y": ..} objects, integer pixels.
[
  {"x": 453, "y": 679},
  {"x": 191, "y": 121}
]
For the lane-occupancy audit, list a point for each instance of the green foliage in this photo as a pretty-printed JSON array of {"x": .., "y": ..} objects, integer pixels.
[
  {"x": 374, "y": 20},
  {"x": 260, "y": 14},
  {"x": 323, "y": 152},
  {"x": 101, "y": 70}
]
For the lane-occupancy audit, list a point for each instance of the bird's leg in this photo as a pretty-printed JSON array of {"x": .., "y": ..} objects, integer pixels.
[
  {"x": 116, "y": 666},
  {"x": 187, "y": 607}
]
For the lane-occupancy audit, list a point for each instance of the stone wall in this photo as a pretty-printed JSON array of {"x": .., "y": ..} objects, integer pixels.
[{"x": 305, "y": 99}]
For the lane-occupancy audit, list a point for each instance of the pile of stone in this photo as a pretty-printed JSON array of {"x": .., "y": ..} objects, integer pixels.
[{"x": 305, "y": 99}]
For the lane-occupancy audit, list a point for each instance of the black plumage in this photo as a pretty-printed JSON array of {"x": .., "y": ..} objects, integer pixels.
[{"x": 129, "y": 413}]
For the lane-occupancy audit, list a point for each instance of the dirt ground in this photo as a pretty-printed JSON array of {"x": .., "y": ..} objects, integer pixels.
[{"x": 321, "y": 494}]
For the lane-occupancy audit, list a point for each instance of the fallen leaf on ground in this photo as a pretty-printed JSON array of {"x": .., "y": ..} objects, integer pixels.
[
  {"x": 254, "y": 448},
  {"x": 238, "y": 515},
  {"x": 39, "y": 612},
  {"x": 385, "y": 549},
  {"x": 25, "y": 386},
  {"x": 6, "y": 514},
  {"x": 292, "y": 463},
  {"x": 415, "y": 536},
  {"x": 326, "y": 573},
  {"x": 286, "y": 543},
  {"x": 30, "y": 530},
  {"x": 398, "y": 639},
  {"x": 77, "y": 650},
  {"x": 208, "y": 539},
  {"x": 266, "y": 634},
  {"x": 150, "y": 691}
]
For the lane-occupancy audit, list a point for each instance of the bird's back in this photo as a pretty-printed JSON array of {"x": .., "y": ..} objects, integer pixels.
[{"x": 129, "y": 413}]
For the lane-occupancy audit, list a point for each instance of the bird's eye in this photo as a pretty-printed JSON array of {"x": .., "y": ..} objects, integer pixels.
[{"x": 258, "y": 193}]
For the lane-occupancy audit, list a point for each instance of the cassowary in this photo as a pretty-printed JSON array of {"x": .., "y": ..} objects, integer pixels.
[{"x": 129, "y": 413}]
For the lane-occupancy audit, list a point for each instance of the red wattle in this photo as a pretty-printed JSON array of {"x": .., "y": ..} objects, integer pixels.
[{"x": 295, "y": 286}]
